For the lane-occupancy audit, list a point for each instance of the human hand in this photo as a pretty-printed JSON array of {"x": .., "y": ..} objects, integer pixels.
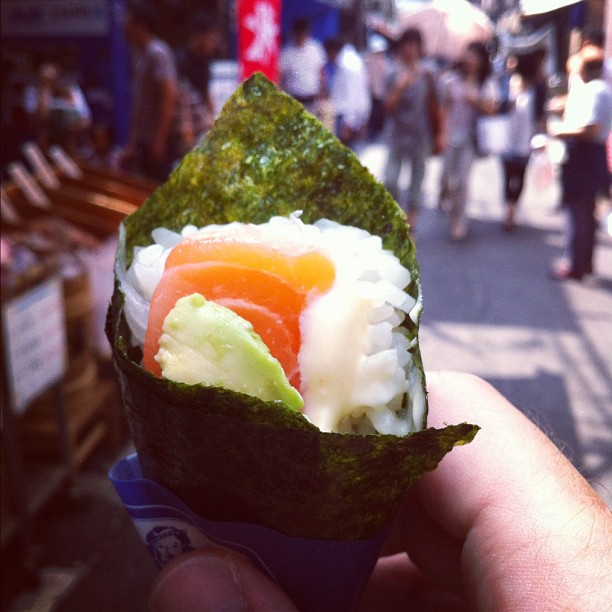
[
  {"x": 208, "y": 580},
  {"x": 505, "y": 523},
  {"x": 556, "y": 129},
  {"x": 556, "y": 105}
]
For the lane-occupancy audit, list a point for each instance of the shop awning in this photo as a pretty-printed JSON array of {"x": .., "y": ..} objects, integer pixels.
[{"x": 536, "y": 7}]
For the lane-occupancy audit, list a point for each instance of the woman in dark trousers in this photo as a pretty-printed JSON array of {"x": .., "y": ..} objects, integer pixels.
[{"x": 525, "y": 109}]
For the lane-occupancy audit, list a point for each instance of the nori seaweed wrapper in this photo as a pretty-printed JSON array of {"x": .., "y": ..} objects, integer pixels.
[{"x": 232, "y": 457}]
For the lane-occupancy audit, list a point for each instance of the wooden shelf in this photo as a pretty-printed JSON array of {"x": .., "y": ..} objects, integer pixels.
[
  {"x": 109, "y": 187},
  {"x": 142, "y": 184}
]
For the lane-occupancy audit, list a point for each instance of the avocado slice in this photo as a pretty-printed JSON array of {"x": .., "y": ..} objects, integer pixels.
[{"x": 208, "y": 344}]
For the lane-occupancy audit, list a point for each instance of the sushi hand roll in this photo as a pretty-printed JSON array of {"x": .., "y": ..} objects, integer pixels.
[
  {"x": 326, "y": 302},
  {"x": 264, "y": 328}
]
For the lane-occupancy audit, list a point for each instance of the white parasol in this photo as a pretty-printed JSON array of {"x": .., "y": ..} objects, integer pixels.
[
  {"x": 537, "y": 7},
  {"x": 447, "y": 26}
]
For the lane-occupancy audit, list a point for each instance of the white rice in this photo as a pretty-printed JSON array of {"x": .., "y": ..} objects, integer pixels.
[{"x": 356, "y": 367}]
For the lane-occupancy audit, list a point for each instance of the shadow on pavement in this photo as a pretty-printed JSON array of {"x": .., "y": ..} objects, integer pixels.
[
  {"x": 491, "y": 277},
  {"x": 543, "y": 398}
]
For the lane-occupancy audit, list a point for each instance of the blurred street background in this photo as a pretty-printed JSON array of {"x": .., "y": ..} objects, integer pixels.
[
  {"x": 491, "y": 307},
  {"x": 490, "y": 310}
]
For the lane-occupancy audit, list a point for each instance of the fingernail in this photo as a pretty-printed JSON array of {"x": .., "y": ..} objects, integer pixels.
[{"x": 199, "y": 583}]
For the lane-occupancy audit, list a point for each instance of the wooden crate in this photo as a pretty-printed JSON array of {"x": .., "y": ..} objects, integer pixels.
[
  {"x": 96, "y": 204},
  {"x": 144, "y": 185}
]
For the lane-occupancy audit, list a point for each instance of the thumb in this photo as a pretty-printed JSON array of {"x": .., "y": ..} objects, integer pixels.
[{"x": 215, "y": 579}]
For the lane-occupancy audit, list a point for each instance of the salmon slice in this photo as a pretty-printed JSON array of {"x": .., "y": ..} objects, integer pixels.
[
  {"x": 265, "y": 300},
  {"x": 276, "y": 335},
  {"x": 302, "y": 266}
]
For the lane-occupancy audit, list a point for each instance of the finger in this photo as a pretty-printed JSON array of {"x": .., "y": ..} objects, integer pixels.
[
  {"x": 394, "y": 581},
  {"x": 528, "y": 520},
  {"x": 398, "y": 585},
  {"x": 431, "y": 548},
  {"x": 211, "y": 580},
  {"x": 510, "y": 461},
  {"x": 436, "y": 546}
]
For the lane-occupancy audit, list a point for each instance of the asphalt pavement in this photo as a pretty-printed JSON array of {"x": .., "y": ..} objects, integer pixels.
[{"x": 490, "y": 309}]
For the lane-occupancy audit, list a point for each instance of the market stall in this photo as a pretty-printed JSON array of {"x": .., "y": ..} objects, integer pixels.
[{"x": 59, "y": 403}]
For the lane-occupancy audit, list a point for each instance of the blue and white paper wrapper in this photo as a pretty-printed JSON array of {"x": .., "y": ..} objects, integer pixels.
[{"x": 318, "y": 575}]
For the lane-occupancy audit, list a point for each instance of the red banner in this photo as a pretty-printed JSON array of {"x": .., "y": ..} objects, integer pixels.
[{"x": 259, "y": 37}]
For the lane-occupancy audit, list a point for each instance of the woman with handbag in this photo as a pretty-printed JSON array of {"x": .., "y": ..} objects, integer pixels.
[
  {"x": 412, "y": 110},
  {"x": 467, "y": 92}
]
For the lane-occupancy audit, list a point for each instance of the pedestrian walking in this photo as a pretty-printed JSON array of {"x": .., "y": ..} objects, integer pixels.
[
  {"x": 411, "y": 107},
  {"x": 153, "y": 145},
  {"x": 300, "y": 65},
  {"x": 345, "y": 88},
  {"x": 377, "y": 68},
  {"x": 526, "y": 116},
  {"x": 193, "y": 63},
  {"x": 468, "y": 92}
]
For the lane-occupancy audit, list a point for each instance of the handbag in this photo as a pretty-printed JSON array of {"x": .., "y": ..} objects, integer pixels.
[
  {"x": 434, "y": 111},
  {"x": 492, "y": 134}
]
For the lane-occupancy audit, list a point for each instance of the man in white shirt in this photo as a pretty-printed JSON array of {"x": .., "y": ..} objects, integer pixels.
[
  {"x": 300, "y": 65},
  {"x": 585, "y": 171},
  {"x": 345, "y": 83}
]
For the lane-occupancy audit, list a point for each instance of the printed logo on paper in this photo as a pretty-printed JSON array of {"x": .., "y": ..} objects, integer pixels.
[{"x": 166, "y": 542}]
